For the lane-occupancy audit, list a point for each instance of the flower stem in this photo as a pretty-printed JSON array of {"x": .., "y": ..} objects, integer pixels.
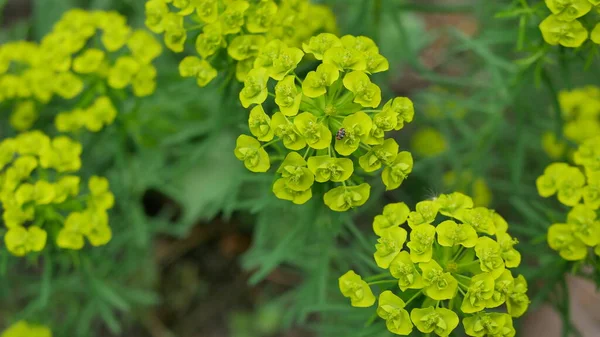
[
  {"x": 383, "y": 282},
  {"x": 413, "y": 297},
  {"x": 376, "y": 277},
  {"x": 468, "y": 264},
  {"x": 271, "y": 142}
]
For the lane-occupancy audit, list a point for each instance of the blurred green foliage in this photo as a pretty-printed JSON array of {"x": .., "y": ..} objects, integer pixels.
[{"x": 179, "y": 142}]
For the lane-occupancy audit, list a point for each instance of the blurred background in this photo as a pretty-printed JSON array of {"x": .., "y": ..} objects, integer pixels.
[{"x": 198, "y": 243}]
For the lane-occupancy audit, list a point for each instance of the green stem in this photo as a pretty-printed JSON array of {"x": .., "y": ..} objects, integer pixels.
[
  {"x": 383, "y": 282},
  {"x": 413, "y": 297},
  {"x": 271, "y": 142},
  {"x": 468, "y": 264},
  {"x": 376, "y": 277}
]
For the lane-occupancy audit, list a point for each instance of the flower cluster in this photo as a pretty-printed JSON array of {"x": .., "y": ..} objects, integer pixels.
[
  {"x": 455, "y": 269},
  {"x": 580, "y": 113},
  {"x": 24, "y": 329},
  {"x": 40, "y": 194},
  {"x": 563, "y": 27},
  {"x": 331, "y": 115},
  {"x": 73, "y": 59},
  {"x": 240, "y": 27},
  {"x": 578, "y": 188}
]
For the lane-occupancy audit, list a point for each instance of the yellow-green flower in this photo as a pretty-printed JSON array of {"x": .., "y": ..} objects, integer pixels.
[
  {"x": 260, "y": 17},
  {"x": 286, "y": 61},
  {"x": 249, "y": 150},
  {"x": 517, "y": 300},
  {"x": 489, "y": 253},
  {"x": 379, "y": 155},
  {"x": 345, "y": 59},
  {"x": 287, "y": 96},
  {"x": 479, "y": 218},
  {"x": 365, "y": 92},
  {"x": 24, "y": 115},
  {"x": 440, "y": 321},
  {"x": 316, "y": 134},
  {"x": 316, "y": 82},
  {"x": 425, "y": 213},
  {"x": 357, "y": 127},
  {"x": 421, "y": 242},
  {"x": 479, "y": 292},
  {"x": 393, "y": 215},
  {"x": 255, "y": 87},
  {"x": 405, "y": 270},
  {"x": 394, "y": 174},
  {"x": 511, "y": 256},
  {"x": 569, "y": 10},
  {"x": 319, "y": 44},
  {"x": 389, "y": 246},
  {"x": 391, "y": 309},
  {"x": 192, "y": 66},
  {"x": 489, "y": 324},
  {"x": 245, "y": 46},
  {"x": 450, "y": 234},
  {"x": 451, "y": 204},
  {"x": 547, "y": 184},
  {"x": 352, "y": 286},
  {"x": 403, "y": 108},
  {"x": 283, "y": 191},
  {"x": 326, "y": 168},
  {"x": 232, "y": 19},
  {"x": 438, "y": 284},
  {"x": 20, "y": 240},
  {"x": 342, "y": 198},
  {"x": 210, "y": 41},
  {"x": 89, "y": 61},
  {"x": 571, "y": 34},
  {"x": 296, "y": 173},
  {"x": 25, "y": 329},
  {"x": 260, "y": 124},
  {"x": 595, "y": 35},
  {"x": 584, "y": 224},
  {"x": 561, "y": 239},
  {"x": 284, "y": 129}
]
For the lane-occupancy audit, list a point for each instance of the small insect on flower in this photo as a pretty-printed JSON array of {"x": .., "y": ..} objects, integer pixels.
[{"x": 340, "y": 134}]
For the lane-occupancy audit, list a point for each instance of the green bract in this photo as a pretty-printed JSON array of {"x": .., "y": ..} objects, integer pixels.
[
  {"x": 406, "y": 272},
  {"x": 352, "y": 286},
  {"x": 389, "y": 245},
  {"x": 451, "y": 234},
  {"x": 440, "y": 321},
  {"x": 287, "y": 96},
  {"x": 569, "y": 10},
  {"x": 255, "y": 87},
  {"x": 249, "y": 151},
  {"x": 391, "y": 309},
  {"x": 365, "y": 93},
  {"x": 479, "y": 292},
  {"x": 326, "y": 168},
  {"x": 296, "y": 173},
  {"x": 316, "y": 82},
  {"x": 421, "y": 242},
  {"x": 260, "y": 124},
  {"x": 425, "y": 213},
  {"x": 438, "y": 285},
  {"x": 316, "y": 134},
  {"x": 356, "y": 126},
  {"x": 343, "y": 198},
  {"x": 286, "y": 130},
  {"x": 378, "y": 155},
  {"x": 393, "y": 215}
]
